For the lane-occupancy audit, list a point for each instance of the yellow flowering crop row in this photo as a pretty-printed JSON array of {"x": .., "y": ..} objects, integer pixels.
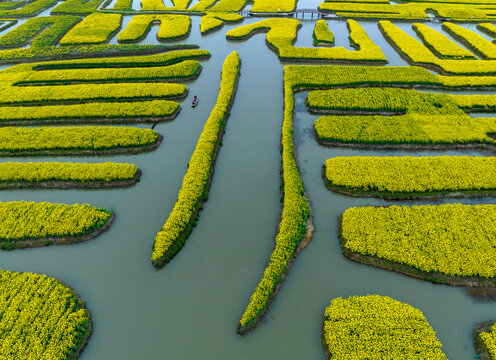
[
  {"x": 321, "y": 34},
  {"x": 322, "y": 76},
  {"x": 488, "y": 28},
  {"x": 468, "y": 81},
  {"x": 418, "y": 54},
  {"x": 406, "y": 129},
  {"x": 380, "y": 99},
  {"x": 124, "y": 5},
  {"x": 177, "y": 72},
  {"x": 401, "y": 176},
  {"x": 377, "y": 327},
  {"x": 282, "y": 34},
  {"x": 203, "y": 5},
  {"x": 273, "y": 6},
  {"x": 67, "y": 139},
  {"x": 44, "y": 31},
  {"x": 228, "y": 6},
  {"x": 12, "y": 5},
  {"x": 451, "y": 239},
  {"x": 6, "y": 23},
  {"x": 152, "y": 5},
  {"x": 475, "y": 102},
  {"x": 32, "y": 8},
  {"x": 163, "y": 59},
  {"x": 89, "y": 92},
  {"x": 489, "y": 341},
  {"x": 39, "y": 172},
  {"x": 41, "y": 318},
  {"x": 96, "y": 28},
  {"x": 440, "y": 44},
  {"x": 429, "y": 118},
  {"x": 411, "y": 10},
  {"x": 196, "y": 182},
  {"x": 20, "y": 220},
  {"x": 20, "y": 36},
  {"x": 79, "y": 94},
  {"x": 213, "y": 20},
  {"x": 79, "y": 7},
  {"x": 41, "y": 53},
  {"x": 474, "y": 41},
  {"x": 158, "y": 5},
  {"x": 171, "y": 27},
  {"x": 295, "y": 209},
  {"x": 116, "y": 111},
  {"x": 44, "y": 44}
]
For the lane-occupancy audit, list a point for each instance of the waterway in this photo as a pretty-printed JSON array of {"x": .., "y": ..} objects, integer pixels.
[{"x": 190, "y": 309}]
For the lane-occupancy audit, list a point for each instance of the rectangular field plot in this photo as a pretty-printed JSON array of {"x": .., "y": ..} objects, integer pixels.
[
  {"x": 435, "y": 54},
  {"x": 37, "y": 94},
  {"x": 411, "y": 177},
  {"x": 454, "y": 240},
  {"x": 68, "y": 36},
  {"x": 463, "y": 10},
  {"x": 394, "y": 116}
]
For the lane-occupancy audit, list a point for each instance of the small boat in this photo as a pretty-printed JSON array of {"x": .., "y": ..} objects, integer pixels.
[{"x": 194, "y": 103}]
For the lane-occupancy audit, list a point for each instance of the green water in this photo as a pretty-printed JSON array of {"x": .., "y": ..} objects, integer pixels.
[{"x": 190, "y": 309}]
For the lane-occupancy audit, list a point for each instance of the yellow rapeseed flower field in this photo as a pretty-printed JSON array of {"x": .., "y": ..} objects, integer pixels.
[{"x": 377, "y": 327}]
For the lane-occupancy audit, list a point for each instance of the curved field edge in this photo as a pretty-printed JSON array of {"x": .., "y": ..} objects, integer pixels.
[
  {"x": 480, "y": 348},
  {"x": 59, "y": 240},
  {"x": 198, "y": 177},
  {"x": 375, "y": 326},
  {"x": 56, "y": 151},
  {"x": 434, "y": 277},
  {"x": 295, "y": 229},
  {"x": 68, "y": 184},
  {"x": 44, "y": 211},
  {"x": 79, "y": 310}
]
